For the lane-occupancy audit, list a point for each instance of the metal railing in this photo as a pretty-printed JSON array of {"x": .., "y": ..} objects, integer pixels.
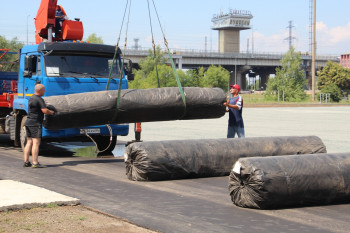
[
  {"x": 325, "y": 98},
  {"x": 144, "y": 51}
]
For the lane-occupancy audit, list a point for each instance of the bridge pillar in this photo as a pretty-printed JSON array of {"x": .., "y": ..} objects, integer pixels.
[
  {"x": 177, "y": 61},
  {"x": 264, "y": 73},
  {"x": 238, "y": 76}
]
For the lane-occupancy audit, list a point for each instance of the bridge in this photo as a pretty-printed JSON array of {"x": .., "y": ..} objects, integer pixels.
[{"x": 242, "y": 66}]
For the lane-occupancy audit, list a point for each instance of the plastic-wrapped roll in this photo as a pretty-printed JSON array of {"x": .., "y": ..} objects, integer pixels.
[
  {"x": 290, "y": 181},
  {"x": 138, "y": 105},
  {"x": 164, "y": 160}
]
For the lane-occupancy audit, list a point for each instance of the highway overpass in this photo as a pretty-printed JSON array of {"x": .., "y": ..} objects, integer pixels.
[{"x": 240, "y": 65}]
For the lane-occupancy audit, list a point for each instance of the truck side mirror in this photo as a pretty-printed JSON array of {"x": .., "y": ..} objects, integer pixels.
[
  {"x": 29, "y": 65},
  {"x": 131, "y": 76},
  {"x": 128, "y": 70}
]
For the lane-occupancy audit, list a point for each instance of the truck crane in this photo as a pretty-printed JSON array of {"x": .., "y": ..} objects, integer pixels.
[{"x": 65, "y": 65}]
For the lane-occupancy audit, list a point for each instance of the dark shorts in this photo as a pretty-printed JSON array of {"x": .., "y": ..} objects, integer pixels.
[{"x": 34, "y": 131}]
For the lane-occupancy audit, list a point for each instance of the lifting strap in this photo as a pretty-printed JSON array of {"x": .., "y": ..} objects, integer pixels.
[
  {"x": 171, "y": 59},
  {"x": 128, "y": 3}
]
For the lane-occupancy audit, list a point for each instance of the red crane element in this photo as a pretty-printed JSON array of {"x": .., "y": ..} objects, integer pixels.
[
  {"x": 47, "y": 27},
  {"x": 5, "y": 51}
]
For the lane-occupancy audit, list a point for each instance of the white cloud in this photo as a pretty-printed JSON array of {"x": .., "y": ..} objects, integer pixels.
[
  {"x": 275, "y": 43},
  {"x": 333, "y": 41},
  {"x": 332, "y": 35}
]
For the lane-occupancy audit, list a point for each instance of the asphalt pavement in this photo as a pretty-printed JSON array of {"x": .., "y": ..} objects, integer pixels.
[{"x": 194, "y": 205}]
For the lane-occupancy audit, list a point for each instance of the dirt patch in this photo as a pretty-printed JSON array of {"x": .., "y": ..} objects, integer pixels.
[{"x": 58, "y": 219}]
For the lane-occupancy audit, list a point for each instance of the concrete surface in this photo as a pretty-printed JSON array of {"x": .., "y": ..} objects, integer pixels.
[
  {"x": 196, "y": 205},
  {"x": 17, "y": 195},
  {"x": 331, "y": 124}
]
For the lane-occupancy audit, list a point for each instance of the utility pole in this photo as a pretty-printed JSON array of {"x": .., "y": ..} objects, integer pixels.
[
  {"x": 313, "y": 68},
  {"x": 310, "y": 25},
  {"x": 252, "y": 40}
]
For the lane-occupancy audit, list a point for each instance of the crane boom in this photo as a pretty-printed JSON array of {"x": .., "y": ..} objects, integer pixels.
[{"x": 46, "y": 25}]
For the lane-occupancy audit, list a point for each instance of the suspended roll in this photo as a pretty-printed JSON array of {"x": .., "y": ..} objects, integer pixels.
[
  {"x": 138, "y": 105},
  {"x": 290, "y": 181},
  {"x": 165, "y": 160}
]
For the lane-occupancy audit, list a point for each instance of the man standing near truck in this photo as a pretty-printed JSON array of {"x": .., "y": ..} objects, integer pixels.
[
  {"x": 235, "y": 108},
  {"x": 36, "y": 110}
]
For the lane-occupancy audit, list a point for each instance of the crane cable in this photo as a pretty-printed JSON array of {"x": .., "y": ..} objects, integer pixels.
[
  {"x": 110, "y": 76},
  {"x": 122, "y": 65},
  {"x": 153, "y": 44},
  {"x": 171, "y": 59},
  {"x": 117, "y": 47},
  {"x": 98, "y": 151}
]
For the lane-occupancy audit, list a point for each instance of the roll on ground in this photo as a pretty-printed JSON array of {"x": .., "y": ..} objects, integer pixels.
[
  {"x": 290, "y": 181},
  {"x": 180, "y": 159}
]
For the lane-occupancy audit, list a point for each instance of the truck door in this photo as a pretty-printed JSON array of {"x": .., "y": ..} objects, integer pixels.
[{"x": 32, "y": 74}]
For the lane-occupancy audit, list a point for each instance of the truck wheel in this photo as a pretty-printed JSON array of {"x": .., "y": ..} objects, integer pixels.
[
  {"x": 17, "y": 130},
  {"x": 23, "y": 133},
  {"x": 103, "y": 141}
]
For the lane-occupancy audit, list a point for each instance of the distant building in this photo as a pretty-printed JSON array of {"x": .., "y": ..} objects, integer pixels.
[
  {"x": 229, "y": 26},
  {"x": 345, "y": 60}
]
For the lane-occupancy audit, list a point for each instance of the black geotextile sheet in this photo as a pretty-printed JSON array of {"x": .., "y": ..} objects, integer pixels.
[
  {"x": 136, "y": 105},
  {"x": 180, "y": 159},
  {"x": 290, "y": 181}
]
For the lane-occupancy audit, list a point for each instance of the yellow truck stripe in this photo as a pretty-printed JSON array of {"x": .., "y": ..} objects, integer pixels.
[{"x": 21, "y": 94}]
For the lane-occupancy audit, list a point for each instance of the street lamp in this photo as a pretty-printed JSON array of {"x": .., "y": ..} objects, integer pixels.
[
  {"x": 313, "y": 68},
  {"x": 235, "y": 70},
  {"x": 27, "y": 28}
]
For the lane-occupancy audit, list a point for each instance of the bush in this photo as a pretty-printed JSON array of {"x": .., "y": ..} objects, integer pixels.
[{"x": 334, "y": 90}]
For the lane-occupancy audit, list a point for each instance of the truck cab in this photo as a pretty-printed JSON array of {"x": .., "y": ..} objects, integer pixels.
[{"x": 68, "y": 68}]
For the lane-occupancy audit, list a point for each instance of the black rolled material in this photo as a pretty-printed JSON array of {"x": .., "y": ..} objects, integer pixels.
[
  {"x": 290, "y": 181},
  {"x": 136, "y": 105},
  {"x": 165, "y": 160}
]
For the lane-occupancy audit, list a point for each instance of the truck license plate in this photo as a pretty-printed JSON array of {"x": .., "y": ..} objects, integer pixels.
[{"x": 89, "y": 131}]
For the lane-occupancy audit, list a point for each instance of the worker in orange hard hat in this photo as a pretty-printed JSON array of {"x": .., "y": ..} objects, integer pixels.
[{"x": 60, "y": 17}]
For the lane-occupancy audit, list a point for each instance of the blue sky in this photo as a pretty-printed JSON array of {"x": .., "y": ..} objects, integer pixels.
[{"x": 188, "y": 23}]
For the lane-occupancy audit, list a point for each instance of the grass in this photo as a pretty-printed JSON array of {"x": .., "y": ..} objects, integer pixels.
[
  {"x": 257, "y": 98},
  {"x": 82, "y": 218},
  {"x": 51, "y": 205}
]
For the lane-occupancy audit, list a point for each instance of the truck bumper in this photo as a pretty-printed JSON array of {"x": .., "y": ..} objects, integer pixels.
[{"x": 122, "y": 130}]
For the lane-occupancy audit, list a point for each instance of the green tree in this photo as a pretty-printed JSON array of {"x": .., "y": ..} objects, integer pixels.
[
  {"x": 334, "y": 73},
  {"x": 194, "y": 78},
  {"x": 146, "y": 76},
  {"x": 216, "y": 76},
  {"x": 8, "y": 62},
  {"x": 289, "y": 80},
  {"x": 93, "y": 38}
]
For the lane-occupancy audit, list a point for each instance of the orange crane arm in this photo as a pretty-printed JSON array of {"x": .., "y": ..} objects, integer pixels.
[{"x": 46, "y": 19}]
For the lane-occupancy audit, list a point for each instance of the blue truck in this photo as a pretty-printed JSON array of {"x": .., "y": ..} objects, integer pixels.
[{"x": 64, "y": 68}]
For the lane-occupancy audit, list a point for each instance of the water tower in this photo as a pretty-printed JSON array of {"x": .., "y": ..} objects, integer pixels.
[{"x": 229, "y": 26}]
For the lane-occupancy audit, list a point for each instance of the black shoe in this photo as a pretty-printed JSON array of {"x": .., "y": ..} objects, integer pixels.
[
  {"x": 38, "y": 165},
  {"x": 27, "y": 164}
]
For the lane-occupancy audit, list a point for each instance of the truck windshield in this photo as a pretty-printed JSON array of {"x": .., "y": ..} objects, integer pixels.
[{"x": 82, "y": 66}]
